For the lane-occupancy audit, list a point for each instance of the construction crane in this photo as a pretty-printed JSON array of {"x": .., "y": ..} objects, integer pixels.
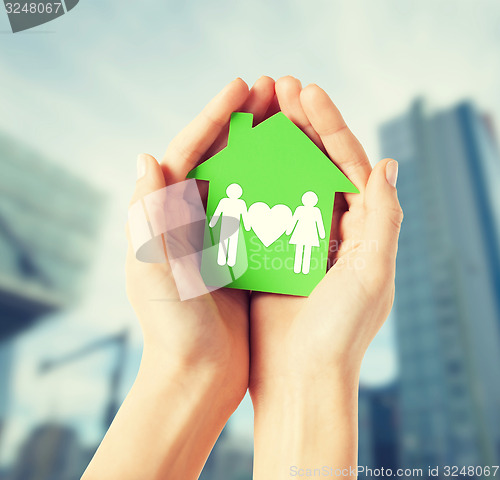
[{"x": 121, "y": 341}]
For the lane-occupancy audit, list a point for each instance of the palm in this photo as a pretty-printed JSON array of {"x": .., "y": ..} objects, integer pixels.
[{"x": 287, "y": 329}]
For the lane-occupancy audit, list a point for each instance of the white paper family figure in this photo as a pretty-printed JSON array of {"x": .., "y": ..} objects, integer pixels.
[
  {"x": 306, "y": 225},
  {"x": 231, "y": 210}
]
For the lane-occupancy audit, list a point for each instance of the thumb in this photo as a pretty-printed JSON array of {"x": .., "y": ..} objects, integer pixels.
[
  {"x": 149, "y": 177},
  {"x": 383, "y": 215}
]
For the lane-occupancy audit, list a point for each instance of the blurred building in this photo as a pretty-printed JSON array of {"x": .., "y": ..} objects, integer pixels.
[
  {"x": 5, "y": 368},
  {"x": 378, "y": 427},
  {"x": 233, "y": 460},
  {"x": 48, "y": 222},
  {"x": 51, "y": 452},
  {"x": 448, "y": 286},
  {"x": 230, "y": 459}
]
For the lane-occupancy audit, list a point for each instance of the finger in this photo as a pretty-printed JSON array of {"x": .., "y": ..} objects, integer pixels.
[
  {"x": 187, "y": 148},
  {"x": 259, "y": 98},
  {"x": 288, "y": 94},
  {"x": 383, "y": 217},
  {"x": 274, "y": 107},
  {"x": 257, "y": 103},
  {"x": 149, "y": 177},
  {"x": 342, "y": 146}
]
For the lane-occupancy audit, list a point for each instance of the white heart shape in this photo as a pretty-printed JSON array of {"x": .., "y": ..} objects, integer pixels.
[{"x": 269, "y": 223}]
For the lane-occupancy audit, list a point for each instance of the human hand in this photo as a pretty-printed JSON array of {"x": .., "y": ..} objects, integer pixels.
[
  {"x": 194, "y": 369},
  {"x": 306, "y": 352},
  {"x": 297, "y": 338},
  {"x": 206, "y": 337}
]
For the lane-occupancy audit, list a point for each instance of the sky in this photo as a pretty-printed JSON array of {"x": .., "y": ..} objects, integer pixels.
[{"x": 109, "y": 80}]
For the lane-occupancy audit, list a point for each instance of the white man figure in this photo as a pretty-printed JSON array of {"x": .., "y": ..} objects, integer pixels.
[
  {"x": 231, "y": 210},
  {"x": 306, "y": 224}
]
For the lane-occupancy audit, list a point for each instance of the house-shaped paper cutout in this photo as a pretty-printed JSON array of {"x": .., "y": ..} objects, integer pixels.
[{"x": 274, "y": 163}]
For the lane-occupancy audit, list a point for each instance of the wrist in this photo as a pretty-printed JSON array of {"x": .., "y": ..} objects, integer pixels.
[
  {"x": 309, "y": 423},
  {"x": 308, "y": 390},
  {"x": 301, "y": 383},
  {"x": 211, "y": 384},
  {"x": 167, "y": 424}
]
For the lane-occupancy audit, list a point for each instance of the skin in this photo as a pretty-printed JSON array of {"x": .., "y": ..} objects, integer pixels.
[{"x": 305, "y": 352}]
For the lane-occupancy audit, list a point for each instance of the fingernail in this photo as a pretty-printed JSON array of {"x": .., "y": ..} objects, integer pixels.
[
  {"x": 391, "y": 172},
  {"x": 141, "y": 166}
]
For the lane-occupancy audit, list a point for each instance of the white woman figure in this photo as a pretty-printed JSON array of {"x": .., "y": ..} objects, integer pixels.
[{"x": 306, "y": 225}]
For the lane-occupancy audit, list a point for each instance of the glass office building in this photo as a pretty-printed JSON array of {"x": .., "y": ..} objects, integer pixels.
[
  {"x": 378, "y": 413},
  {"x": 447, "y": 286},
  {"x": 48, "y": 222}
]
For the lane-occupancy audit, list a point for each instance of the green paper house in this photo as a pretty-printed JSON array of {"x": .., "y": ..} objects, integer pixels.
[{"x": 269, "y": 208}]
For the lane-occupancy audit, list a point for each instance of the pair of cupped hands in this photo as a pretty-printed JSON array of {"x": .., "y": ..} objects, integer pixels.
[{"x": 236, "y": 340}]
